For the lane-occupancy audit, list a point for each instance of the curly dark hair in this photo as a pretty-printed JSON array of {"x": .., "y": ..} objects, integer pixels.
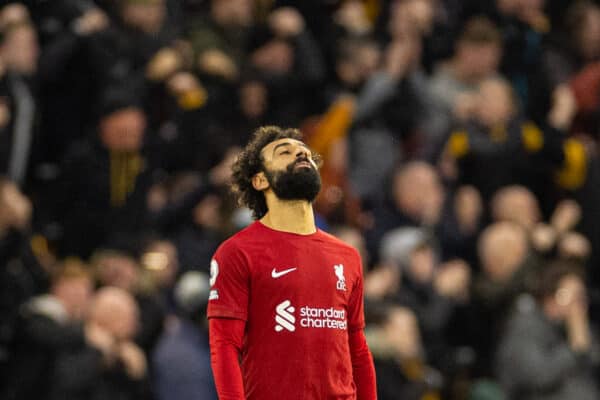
[{"x": 250, "y": 162}]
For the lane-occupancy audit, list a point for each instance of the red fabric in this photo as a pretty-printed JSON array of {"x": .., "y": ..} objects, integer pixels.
[
  {"x": 226, "y": 336},
  {"x": 362, "y": 367},
  {"x": 301, "y": 295},
  {"x": 586, "y": 87}
]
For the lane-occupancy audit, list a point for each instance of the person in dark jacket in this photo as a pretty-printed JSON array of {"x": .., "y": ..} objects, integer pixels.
[
  {"x": 115, "y": 368},
  {"x": 106, "y": 180},
  {"x": 498, "y": 147},
  {"x": 23, "y": 273},
  {"x": 398, "y": 354},
  {"x": 181, "y": 359},
  {"x": 546, "y": 350},
  {"x": 48, "y": 325},
  {"x": 19, "y": 133}
]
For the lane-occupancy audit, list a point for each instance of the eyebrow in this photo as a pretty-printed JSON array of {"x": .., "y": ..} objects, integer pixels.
[{"x": 288, "y": 144}]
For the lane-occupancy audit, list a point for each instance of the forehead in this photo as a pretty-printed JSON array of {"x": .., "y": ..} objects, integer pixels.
[{"x": 268, "y": 149}]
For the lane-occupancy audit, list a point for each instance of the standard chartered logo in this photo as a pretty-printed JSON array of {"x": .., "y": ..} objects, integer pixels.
[
  {"x": 284, "y": 317},
  {"x": 310, "y": 317},
  {"x": 331, "y": 318}
]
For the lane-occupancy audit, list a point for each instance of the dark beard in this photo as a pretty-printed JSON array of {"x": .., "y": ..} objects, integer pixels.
[{"x": 300, "y": 184}]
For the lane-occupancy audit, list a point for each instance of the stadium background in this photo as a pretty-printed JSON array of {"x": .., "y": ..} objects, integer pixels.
[{"x": 460, "y": 146}]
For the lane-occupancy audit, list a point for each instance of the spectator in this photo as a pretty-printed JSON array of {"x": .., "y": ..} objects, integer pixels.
[
  {"x": 567, "y": 52},
  {"x": 516, "y": 204},
  {"x": 219, "y": 39},
  {"x": 118, "y": 56},
  {"x": 118, "y": 268},
  {"x": 506, "y": 270},
  {"x": 390, "y": 110},
  {"x": 22, "y": 274},
  {"x": 19, "y": 135},
  {"x": 434, "y": 291},
  {"x": 287, "y": 57},
  {"x": 106, "y": 179},
  {"x": 419, "y": 199},
  {"x": 66, "y": 30},
  {"x": 399, "y": 357},
  {"x": 113, "y": 366},
  {"x": 477, "y": 56},
  {"x": 498, "y": 147},
  {"x": 48, "y": 327},
  {"x": 537, "y": 358},
  {"x": 181, "y": 359}
]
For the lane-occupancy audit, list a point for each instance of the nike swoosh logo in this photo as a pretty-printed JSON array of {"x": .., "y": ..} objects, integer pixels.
[{"x": 276, "y": 274}]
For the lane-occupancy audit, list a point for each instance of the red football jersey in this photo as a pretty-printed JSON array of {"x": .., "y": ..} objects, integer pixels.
[{"x": 299, "y": 296}]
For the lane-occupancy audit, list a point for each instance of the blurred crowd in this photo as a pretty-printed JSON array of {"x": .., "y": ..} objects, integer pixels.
[{"x": 460, "y": 141}]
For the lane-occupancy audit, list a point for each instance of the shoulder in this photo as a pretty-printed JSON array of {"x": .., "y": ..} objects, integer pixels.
[
  {"x": 526, "y": 319},
  {"x": 335, "y": 244},
  {"x": 237, "y": 243}
]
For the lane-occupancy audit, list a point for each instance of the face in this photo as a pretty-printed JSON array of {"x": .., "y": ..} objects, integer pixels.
[
  {"x": 148, "y": 18},
  {"x": 75, "y": 294},
  {"x": 479, "y": 60},
  {"x": 126, "y": 323},
  {"x": 422, "y": 264},
  {"x": 503, "y": 249},
  {"x": 517, "y": 205},
  {"x": 123, "y": 130},
  {"x": 495, "y": 103},
  {"x": 402, "y": 331},
  {"x": 233, "y": 12},
  {"x": 411, "y": 17},
  {"x": 20, "y": 50},
  {"x": 417, "y": 190},
  {"x": 290, "y": 170},
  {"x": 357, "y": 68},
  {"x": 117, "y": 312},
  {"x": 118, "y": 271}
]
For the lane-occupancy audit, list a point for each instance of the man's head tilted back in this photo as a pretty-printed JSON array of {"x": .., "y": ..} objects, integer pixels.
[{"x": 275, "y": 160}]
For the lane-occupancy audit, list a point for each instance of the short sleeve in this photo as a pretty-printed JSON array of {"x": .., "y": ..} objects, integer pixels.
[
  {"x": 229, "y": 284},
  {"x": 356, "y": 314}
]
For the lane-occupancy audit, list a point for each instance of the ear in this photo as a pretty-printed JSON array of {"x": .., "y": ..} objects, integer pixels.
[{"x": 260, "y": 182}]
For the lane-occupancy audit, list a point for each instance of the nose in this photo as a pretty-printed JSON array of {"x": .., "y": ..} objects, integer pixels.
[{"x": 301, "y": 153}]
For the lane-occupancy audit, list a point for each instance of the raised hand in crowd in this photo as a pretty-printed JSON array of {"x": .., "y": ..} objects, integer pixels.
[
  {"x": 92, "y": 21},
  {"x": 564, "y": 107},
  {"x": 100, "y": 339},
  {"x": 216, "y": 62},
  {"x": 15, "y": 208},
  {"x": 163, "y": 64},
  {"x": 575, "y": 246},
  {"x": 452, "y": 280},
  {"x": 566, "y": 215},
  {"x": 401, "y": 56},
  {"x": 133, "y": 359}
]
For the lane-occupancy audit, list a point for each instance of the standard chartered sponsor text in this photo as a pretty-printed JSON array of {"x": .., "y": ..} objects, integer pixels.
[{"x": 331, "y": 318}]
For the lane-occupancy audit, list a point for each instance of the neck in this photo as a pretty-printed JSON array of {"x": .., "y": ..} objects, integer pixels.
[{"x": 294, "y": 216}]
